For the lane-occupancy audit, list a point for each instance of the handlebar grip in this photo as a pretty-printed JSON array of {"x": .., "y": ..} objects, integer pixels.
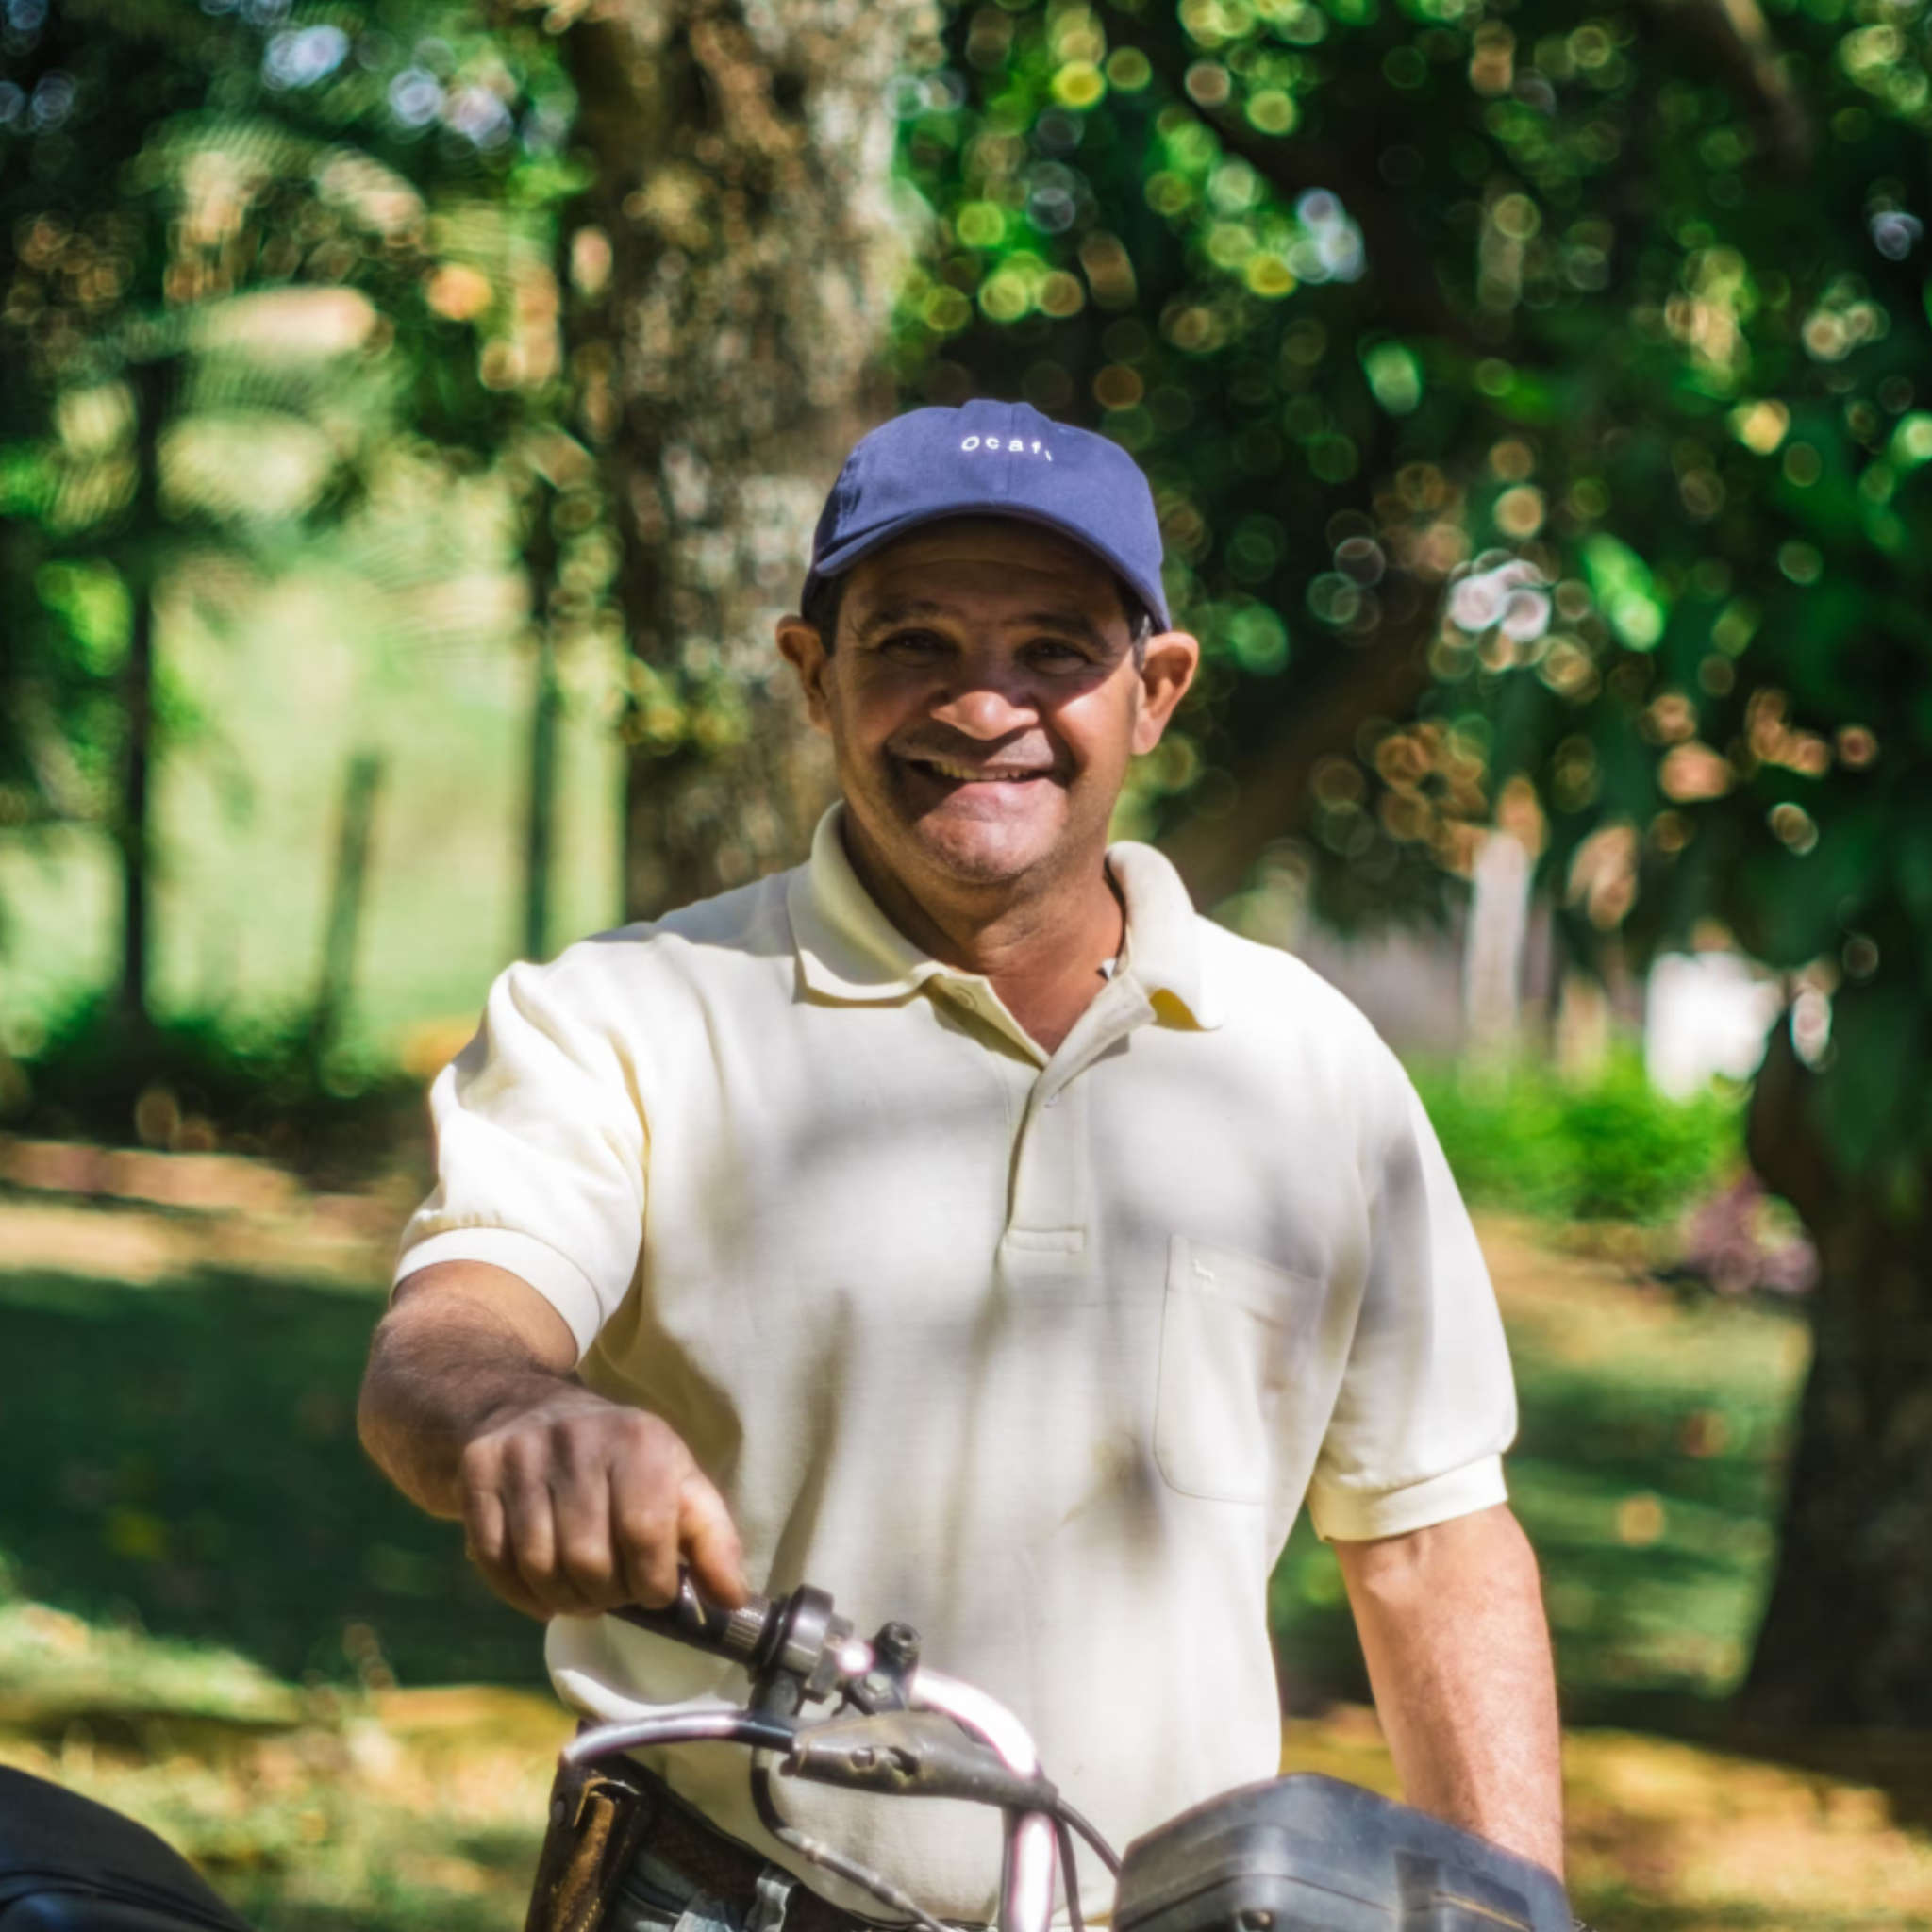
[{"x": 690, "y": 1619}]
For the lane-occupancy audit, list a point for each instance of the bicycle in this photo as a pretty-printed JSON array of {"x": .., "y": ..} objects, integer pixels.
[{"x": 1297, "y": 1854}]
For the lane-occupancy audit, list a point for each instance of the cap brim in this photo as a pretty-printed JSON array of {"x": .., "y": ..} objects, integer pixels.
[{"x": 841, "y": 557}]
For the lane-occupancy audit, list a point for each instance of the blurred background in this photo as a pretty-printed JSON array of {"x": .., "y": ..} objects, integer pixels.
[{"x": 413, "y": 416}]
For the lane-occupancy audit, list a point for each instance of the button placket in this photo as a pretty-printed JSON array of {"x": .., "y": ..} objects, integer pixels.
[
  {"x": 978, "y": 997},
  {"x": 1051, "y": 1190}
]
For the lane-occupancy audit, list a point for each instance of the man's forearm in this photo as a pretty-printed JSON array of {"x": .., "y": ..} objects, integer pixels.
[
  {"x": 1452, "y": 1624},
  {"x": 440, "y": 1370},
  {"x": 569, "y": 1503}
]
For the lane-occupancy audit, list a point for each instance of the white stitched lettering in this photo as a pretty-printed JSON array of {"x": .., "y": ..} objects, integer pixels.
[{"x": 1017, "y": 445}]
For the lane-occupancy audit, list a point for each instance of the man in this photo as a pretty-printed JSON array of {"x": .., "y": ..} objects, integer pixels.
[{"x": 961, "y": 1224}]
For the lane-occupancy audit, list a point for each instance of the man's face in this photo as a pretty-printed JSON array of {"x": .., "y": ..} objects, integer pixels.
[{"x": 983, "y": 700}]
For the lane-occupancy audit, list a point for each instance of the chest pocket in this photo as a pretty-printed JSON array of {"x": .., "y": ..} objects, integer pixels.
[{"x": 1231, "y": 1331}]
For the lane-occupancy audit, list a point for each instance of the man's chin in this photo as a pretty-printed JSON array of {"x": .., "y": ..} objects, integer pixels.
[
  {"x": 980, "y": 855},
  {"x": 979, "y": 849}
]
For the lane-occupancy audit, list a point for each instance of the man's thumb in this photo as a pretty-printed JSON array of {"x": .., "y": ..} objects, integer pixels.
[{"x": 709, "y": 1540}]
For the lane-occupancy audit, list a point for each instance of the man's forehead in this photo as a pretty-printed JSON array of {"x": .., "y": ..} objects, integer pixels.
[{"x": 986, "y": 564}]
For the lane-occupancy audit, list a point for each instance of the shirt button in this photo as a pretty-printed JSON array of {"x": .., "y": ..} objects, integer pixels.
[{"x": 1052, "y": 1099}]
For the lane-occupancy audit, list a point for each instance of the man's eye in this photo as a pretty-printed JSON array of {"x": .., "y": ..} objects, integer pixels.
[
  {"x": 1056, "y": 653},
  {"x": 913, "y": 643}
]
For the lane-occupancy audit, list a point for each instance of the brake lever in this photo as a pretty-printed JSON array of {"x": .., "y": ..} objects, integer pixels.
[{"x": 914, "y": 1753}]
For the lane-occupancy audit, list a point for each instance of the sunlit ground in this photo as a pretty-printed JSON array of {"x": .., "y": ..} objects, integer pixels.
[{"x": 261, "y": 1651}]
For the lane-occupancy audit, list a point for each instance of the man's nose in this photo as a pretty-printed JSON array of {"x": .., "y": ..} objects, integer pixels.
[{"x": 987, "y": 700}]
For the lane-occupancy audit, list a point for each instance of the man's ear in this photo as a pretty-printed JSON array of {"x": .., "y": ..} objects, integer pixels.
[
  {"x": 801, "y": 646},
  {"x": 1166, "y": 672}
]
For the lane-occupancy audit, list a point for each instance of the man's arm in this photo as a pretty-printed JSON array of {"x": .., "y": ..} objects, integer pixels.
[
  {"x": 1450, "y": 1620},
  {"x": 570, "y": 1504}
]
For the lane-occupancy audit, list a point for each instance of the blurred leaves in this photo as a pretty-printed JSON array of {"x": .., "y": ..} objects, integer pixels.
[
  {"x": 1608, "y": 1148},
  {"x": 1391, "y": 299},
  {"x": 255, "y": 261}
]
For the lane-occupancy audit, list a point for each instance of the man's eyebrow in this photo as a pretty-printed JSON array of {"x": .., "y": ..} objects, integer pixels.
[
  {"x": 1072, "y": 623},
  {"x": 904, "y": 611},
  {"x": 1076, "y": 622}
]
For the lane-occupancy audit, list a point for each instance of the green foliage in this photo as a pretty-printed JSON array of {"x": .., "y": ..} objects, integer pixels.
[
  {"x": 249, "y": 259},
  {"x": 200, "y": 1083},
  {"x": 1555, "y": 381},
  {"x": 1611, "y": 1148}
]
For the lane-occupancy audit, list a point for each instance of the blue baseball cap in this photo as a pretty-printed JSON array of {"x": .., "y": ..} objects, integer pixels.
[{"x": 1002, "y": 459}]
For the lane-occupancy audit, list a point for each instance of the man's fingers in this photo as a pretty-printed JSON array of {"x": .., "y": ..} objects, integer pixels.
[
  {"x": 531, "y": 1532},
  {"x": 643, "y": 1527},
  {"x": 578, "y": 1511},
  {"x": 709, "y": 1540},
  {"x": 485, "y": 1538},
  {"x": 587, "y": 1565},
  {"x": 484, "y": 1532}
]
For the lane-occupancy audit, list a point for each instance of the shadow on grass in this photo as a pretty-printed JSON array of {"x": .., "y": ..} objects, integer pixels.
[
  {"x": 187, "y": 1454},
  {"x": 194, "y": 1460}
]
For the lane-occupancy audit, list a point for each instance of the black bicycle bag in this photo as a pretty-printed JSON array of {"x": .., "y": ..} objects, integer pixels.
[
  {"x": 70, "y": 1865},
  {"x": 1309, "y": 1854}
]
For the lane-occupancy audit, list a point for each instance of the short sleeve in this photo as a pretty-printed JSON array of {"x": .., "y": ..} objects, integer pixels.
[
  {"x": 541, "y": 1151},
  {"x": 1427, "y": 1404}
]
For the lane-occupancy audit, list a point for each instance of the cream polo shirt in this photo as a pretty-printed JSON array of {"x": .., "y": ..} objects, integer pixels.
[{"x": 1041, "y": 1353}]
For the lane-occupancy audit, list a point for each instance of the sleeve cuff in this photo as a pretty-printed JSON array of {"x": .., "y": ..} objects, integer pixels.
[
  {"x": 551, "y": 1273},
  {"x": 1353, "y": 1515}
]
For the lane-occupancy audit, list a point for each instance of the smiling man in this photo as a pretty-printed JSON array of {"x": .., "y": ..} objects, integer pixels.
[{"x": 961, "y": 1223}]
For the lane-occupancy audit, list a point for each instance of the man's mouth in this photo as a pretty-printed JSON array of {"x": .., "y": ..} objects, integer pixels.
[{"x": 956, "y": 774}]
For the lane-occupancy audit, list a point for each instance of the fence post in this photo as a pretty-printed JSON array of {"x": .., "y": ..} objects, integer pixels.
[{"x": 346, "y": 891}]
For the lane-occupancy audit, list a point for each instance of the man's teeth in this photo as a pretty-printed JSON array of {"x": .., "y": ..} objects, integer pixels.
[{"x": 975, "y": 773}]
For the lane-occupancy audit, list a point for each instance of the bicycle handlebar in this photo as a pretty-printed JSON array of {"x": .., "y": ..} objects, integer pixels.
[
  {"x": 688, "y": 1618},
  {"x": 796, "y": 1650}
]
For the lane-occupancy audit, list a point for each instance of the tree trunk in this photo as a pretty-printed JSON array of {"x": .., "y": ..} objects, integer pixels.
[
  {"x": 743, "y": 202},
  {"x": 140, "y": 569},
  {"x": 1847, "y": 1634},
  {"x": 137, "y": 721}
]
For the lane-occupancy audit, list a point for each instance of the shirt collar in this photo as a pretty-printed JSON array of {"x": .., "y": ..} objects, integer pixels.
[
  {"x": 1163, "y": 950},
  {"x": 849, "y": 950}
]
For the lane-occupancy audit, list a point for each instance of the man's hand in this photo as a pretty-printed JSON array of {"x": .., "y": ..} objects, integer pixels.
[
  {"x": 1450, "y": 1620},
  {"x": 574, "y": 1504},
  {"x": 571, "y": 1504}
]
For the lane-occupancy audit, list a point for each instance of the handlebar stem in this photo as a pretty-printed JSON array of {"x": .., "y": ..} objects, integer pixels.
[{"x": 1028, "y": 1870}]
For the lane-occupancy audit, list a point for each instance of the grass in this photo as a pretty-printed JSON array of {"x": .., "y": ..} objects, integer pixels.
[
  {"x": 197, "y": 1467},
  {"x": 194, "y": 1471},
  {"x": 389, "y": 1811},
  {"x": 1646, "y": 1470},
  {"x": 218, "y": 1619}
]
